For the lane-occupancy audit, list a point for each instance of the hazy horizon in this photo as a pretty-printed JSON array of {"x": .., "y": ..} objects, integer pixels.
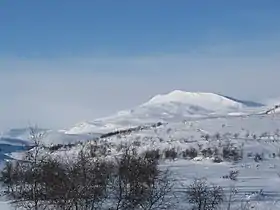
[{"x": 91, "y": 59}]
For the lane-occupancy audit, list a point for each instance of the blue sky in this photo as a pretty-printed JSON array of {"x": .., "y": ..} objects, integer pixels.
[
  {"x": 51, "y": 28},
  {"x": 77, "y": 60}
]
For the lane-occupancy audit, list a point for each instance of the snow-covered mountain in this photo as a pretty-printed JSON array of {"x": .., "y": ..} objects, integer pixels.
[
  {"x": 176, "y": 106},
  {"x": 196, "y": 101},
  {"x": 171, "y": 107}
]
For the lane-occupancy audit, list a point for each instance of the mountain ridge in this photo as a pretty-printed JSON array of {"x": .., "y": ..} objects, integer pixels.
[
  {"x": 173, "y": 106},
  {"x": 248, "y": 103},
  {"x": 176, "y": 105}
]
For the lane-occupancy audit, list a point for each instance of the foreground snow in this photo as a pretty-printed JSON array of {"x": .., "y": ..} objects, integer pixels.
[
  {"x": 256, "y": 133},
  {"x": 258, "y": 182}
]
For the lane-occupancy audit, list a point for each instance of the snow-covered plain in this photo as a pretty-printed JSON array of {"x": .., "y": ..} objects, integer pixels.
[{"x": 187, "y": 118}]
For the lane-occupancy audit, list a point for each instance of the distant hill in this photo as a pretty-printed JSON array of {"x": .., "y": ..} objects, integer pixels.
[
  {"x": 171, "y": 107},
  {"x": 245, "y": 102}
]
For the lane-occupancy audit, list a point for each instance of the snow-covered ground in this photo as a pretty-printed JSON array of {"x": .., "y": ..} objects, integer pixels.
[
  {"x": 187, "y": 119},
  {"x": 255, "y": 133}
]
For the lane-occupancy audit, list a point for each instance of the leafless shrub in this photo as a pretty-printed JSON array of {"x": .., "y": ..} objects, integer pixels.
[
  {"x": 207, "y": 152},
  {"x": 258, "y": 157},
  {"x": 254, "y": 136},
  {"x": 138, "y": 183},
  {"x": 203, "y": 196},
  {"x": 122, "y": 146},
  {"x": 22, "y": 185},
  {"x": 55, "y": 147},
  {"x": 236, "y": 135},
  {"x": 171, "y": 154},
  {"x": 217, "y": 159},
  {"x": 233, "y": 176},
  {"x": 206, "y": 137},
  {"x": 217, "y": 136},
  {"x": 152, "y": 154},
  {"x": 50, "y": 183},
  {"x": 190, "y": 153},
  {"x": 232, "y": 153},
  {"x": 27, "y": 191},
  {"x": 136, "y": 143},
  {"x": 82, "y": 184},
  {"x": 247, "y": 134},
  {"x": 130, "y": 182}
]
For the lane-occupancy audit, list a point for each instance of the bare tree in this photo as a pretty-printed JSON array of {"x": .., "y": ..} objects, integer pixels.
[
  {"x": 203, "y": 196},
  {"x": 40, "y": 181},
  {"x": 158, "y": 196},
  {"x": 22, "y": 178},
  {"x": 7, "y": 177},
  {"x": 138, "y": 183},
  {"x": 33, "y": 160},
  {"x": 233, "y": 176},
  {"x": 89, "y": 178},
  {"x": 79, "y": 184}
]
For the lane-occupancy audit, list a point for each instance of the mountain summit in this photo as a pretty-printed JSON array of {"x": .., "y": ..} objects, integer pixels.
[
  {"x": 171, "y": 107},
  {"x": 209, "y": 101}
]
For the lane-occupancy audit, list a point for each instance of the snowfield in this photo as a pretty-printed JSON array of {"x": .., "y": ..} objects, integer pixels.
[{"x": 192, "y": 120}]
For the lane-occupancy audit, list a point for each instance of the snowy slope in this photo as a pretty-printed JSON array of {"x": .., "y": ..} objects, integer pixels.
[
  {"x": 274, "y": 110},
  {"x": 176, "y": 106},
  {"x": 208, "y": 101},
  {"x": 20, "y": 137},
  {"x": 254, "y": 133},
  {"x": 172, "y": 107},
  {"x": 190, "y": 117}
]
